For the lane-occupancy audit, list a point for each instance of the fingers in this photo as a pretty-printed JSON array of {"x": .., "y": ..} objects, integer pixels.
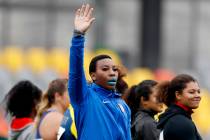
[
  {"x": 77, "y": 12},
  {"x": 87, "y": 8},
  {"x": 85, "y": 11},
  {"x": 89, "y": 15},
  {"x": 82, "y": 10}
]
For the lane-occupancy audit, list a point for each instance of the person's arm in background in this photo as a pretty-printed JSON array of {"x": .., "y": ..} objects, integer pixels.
[{"x": 77, "y": 85}]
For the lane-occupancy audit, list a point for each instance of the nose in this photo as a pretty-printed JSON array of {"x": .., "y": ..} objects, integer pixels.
[
  {"x": 112, "y": 72},
  {"x": 198, "y": 95}
]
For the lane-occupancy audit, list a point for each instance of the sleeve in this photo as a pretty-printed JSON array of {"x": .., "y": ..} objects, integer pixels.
[
  {"x": 180, "y": 129},
  {"x": 129, "y": 122},
  {"x": 77, "y": 85},
  {"x": 150, "y": 131}
]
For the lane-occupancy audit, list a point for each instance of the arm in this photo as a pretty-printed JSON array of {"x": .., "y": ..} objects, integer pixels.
[{"x": 77, "y": 83}]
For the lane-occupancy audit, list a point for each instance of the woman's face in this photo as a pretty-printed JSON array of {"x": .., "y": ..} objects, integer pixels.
[
  {"x": 106, "y": 73},
  {"x": 190, "y": 96},
  {"x": 153, "y": 102}
]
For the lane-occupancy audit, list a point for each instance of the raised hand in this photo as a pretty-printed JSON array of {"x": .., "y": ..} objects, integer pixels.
[{"x": 83, "y": 18}]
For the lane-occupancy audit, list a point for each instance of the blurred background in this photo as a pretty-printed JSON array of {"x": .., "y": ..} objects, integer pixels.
[{"x": 153, "y": 39}]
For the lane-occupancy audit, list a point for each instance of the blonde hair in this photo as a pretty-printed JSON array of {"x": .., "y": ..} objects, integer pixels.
[{"x": 48, "y": 99}]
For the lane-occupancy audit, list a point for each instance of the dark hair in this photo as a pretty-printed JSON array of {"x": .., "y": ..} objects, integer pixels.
[
  {"x": 143, "y": 89},
  {"x": 168, "y": 89},
  {"x": 22, "y": 99},
  {"x": 129, "y": 98},
  {"x": 121, "y": 85},
  {"x": 93, "y": 62}
]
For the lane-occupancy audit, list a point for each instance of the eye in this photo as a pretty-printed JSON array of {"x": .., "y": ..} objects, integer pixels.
[
  {"x": 115, "y": 69},
  {"x": 105, "y": 69},
  {"x": 191, "y": 92}
]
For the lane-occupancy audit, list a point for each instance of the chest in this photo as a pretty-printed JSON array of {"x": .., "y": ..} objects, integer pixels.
[{"x": 115, "y": 107}]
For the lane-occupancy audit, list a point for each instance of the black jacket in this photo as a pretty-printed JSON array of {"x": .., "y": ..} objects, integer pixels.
[
  {"x": 144, "y": 126},
  {"x": 177, "y": 124}
]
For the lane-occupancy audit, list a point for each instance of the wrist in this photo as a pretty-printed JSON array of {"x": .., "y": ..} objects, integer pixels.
[{"x": 78, "y": 33}]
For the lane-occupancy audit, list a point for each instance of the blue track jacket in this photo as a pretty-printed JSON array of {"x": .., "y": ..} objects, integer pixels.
[{"x": 100, "y": 114}]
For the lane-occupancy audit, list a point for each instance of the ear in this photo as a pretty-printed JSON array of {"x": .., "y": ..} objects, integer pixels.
[
  {"x": 93, "y": 76},
  {"x": 143, "y": 101},
  {"x": 57, "y": 95},
  {"x": 178, "y": 95}
]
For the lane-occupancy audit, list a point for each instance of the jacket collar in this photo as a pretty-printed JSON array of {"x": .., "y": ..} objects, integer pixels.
[
  {"x": 19, "y": 123},
  {"x": 105, "y": 92},
  {"x": 185, "y": 108},
  {"x": 147, "y": 111}
]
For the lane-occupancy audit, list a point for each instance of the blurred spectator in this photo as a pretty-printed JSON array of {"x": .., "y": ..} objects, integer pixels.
[
  {"x": 145, "y": 106},
  {"x": 54, "y": 103},
  {"x": 181, "y": 95},
  {"x": 21, "y": 104}
]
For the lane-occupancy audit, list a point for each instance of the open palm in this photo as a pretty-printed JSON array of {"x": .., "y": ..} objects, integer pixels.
[{"x": 83, "y": 18}]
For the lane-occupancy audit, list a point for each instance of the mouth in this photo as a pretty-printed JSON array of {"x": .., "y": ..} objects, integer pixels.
[
  {"x": 112, "y": 82},
  {"x": 197, "y": 100}
]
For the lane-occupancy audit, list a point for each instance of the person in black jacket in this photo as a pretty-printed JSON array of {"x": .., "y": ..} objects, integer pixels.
[
  {"x": 146, "y": 105},
  {"x": 181, "y": 95}
]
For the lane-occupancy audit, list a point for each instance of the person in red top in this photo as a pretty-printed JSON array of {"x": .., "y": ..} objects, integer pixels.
[
  {"x": 181, "y": 95},
  {"x": 21, "y": 104}
]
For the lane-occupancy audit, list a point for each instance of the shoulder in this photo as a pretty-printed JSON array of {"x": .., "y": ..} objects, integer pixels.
[
  {"x": 28, "y": 132},
  {"x": 52, "y": 118},
  {"x": 50, "y": 125},
  {"x": 148, "y": 122},
  {"x": 180, "y": 120},
  {"x": 144, "y": 120},
  {"x": 179, "y": 126}
]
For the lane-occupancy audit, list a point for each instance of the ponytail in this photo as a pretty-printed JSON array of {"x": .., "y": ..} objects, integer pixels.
[
  {"x": 43, "y": 106},
  {"x": 56, "y": 86},
  {"x": 164, "y": 95},
  {"x": 130, "y": 99}
]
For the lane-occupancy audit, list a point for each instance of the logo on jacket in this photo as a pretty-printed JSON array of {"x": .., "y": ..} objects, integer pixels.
[
  {"x": 121, "y": 108},
  {"x": 105, "y": 101}
]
